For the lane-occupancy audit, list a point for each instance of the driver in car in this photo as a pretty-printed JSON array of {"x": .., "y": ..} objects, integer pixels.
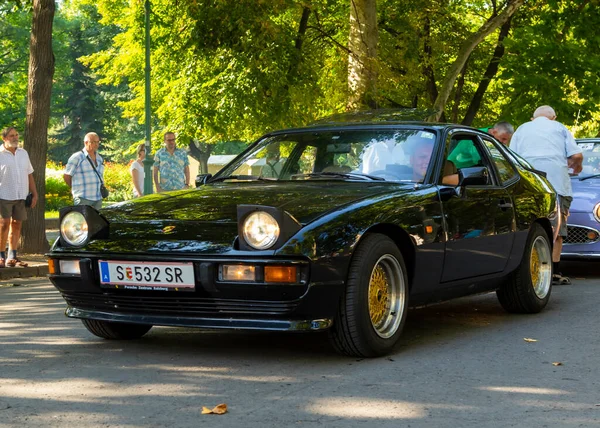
[{"x": 419, "y": 159}]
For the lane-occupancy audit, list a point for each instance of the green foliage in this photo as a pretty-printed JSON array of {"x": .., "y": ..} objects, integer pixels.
[
  {"x": 217, "y": 78},
  {"x": 234, "y": 69},
  {"x": 81, "y": 103},
  {"x": 551, "y": 62},
  {"x": 58, "y": 194},
  {"x": 118, "y": 181},
  {"x": 14, "y": 60}
]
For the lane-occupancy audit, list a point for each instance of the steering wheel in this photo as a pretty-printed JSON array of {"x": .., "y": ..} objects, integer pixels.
[
  {"x": 386, "y": 175},
  {"x": 394, "y": 172}
]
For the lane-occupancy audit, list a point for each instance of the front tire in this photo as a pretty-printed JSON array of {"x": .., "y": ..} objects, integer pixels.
[
  {"x": 373, "y": 309},
  {"x": 528, "y": 288},
  {"x": 116, "y": 330}
]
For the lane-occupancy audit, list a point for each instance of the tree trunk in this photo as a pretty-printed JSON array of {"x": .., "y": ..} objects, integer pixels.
[
  {"x": 458, "y": 93},
  {"x": 362, "y": 41},
  {"x": 39, "y": 89},
  {"x": 465, "y": 51},
  {"x": 427, "y": 61},
  {"x": 201, "y": 152},
  {"x": 302, "y": 28},
  {"x": 489, "y": 74}
]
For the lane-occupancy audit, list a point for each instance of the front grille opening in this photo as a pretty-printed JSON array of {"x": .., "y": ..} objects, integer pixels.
[{"x": 581, "y": 235}]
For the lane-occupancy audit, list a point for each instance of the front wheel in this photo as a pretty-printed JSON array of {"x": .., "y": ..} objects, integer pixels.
[
  {"x": 528, "y": 288},
  {"x": 373, "y": 309},
  {"x": 116, "y": 330}
]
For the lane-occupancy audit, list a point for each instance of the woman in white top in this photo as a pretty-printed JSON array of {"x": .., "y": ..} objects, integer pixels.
[{"x": 137, "y": 171}]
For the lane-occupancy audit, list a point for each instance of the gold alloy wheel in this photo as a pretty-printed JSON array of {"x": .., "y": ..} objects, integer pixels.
[
  {"x": 534, "y": 266},
  {"x": 387, "y": 292},
  {"x": 540, "y": 267}
]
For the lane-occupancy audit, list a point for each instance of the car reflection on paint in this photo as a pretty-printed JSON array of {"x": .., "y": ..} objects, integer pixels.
[{"x": 339, "y": 226}]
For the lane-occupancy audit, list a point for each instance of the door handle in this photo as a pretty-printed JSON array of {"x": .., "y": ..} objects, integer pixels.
[{"x": 503, "y": 205}]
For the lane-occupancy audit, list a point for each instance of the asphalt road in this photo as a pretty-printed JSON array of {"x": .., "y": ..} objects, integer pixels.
[{"x": 461, "y": 364}]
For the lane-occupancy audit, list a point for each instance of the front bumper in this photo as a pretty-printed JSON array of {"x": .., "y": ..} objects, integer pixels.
[
  {"x": 204, "y": 322},
  {"x": 304, "y": 306}
]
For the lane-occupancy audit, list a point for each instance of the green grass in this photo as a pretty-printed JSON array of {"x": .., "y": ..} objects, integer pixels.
[{"x": 51, "y": 214}]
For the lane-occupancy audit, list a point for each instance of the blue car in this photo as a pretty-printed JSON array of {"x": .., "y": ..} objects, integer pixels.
[{"x": 583, "y": 240}]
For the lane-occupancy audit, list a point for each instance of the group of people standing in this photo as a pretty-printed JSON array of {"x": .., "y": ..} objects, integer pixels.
[
  {"x": 84, "y": 174},
  {"x": 84, "y": 171},
  {"x": 549, "y": 147}
]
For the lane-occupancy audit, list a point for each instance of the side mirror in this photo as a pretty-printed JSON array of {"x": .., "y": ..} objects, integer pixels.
[
  {"x": 201, "y": 179},
  {"x": 474, "y": 176}
]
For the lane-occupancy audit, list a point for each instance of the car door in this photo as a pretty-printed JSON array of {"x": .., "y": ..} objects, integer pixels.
[{"x": 479, "y": 219}]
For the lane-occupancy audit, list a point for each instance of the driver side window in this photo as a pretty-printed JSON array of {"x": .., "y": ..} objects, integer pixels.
[{"x": 463, "y": 151}]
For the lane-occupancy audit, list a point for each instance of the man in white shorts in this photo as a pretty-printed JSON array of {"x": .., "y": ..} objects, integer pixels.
[{"x": 16, "y": 182}]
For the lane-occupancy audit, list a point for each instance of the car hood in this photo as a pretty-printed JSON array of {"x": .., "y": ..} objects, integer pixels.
[
  {"x": 586, "y": 194},
  {"x": 217, "y": 203},
  {"x": 204, "y": 220}
]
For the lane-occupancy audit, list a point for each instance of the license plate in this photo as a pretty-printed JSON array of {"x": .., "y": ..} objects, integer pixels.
[{"x": 155, "y": 276}]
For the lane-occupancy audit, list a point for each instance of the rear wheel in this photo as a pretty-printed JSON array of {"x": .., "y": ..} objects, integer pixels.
[
  {"x": 373, "y": 309},
  {"x": 529, "y": 287},
  {"x": 116, "y": 330}
]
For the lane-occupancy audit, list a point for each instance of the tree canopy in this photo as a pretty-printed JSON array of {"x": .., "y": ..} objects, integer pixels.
[{"x": 232, "y": 70}]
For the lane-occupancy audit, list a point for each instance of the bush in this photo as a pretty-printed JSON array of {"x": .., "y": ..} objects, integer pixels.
[
  {"x": 58, "y": 195},
  {"x": 118, "y": 181}
]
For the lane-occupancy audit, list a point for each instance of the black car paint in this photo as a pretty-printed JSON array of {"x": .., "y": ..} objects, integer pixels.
[{"x": 335, "y": 216}]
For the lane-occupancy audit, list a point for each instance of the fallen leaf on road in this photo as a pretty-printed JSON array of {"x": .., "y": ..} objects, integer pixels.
[
  {"x": 557, "y": 364},
  {"x": 526, "y": 339},
  {"x": 218, "y": 410}
]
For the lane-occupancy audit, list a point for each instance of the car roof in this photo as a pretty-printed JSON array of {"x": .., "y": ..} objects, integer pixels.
[{"x": 375, "y": 118}]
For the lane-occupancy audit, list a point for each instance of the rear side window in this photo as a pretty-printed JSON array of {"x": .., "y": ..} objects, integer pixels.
[{"x": 505, "y": 169}]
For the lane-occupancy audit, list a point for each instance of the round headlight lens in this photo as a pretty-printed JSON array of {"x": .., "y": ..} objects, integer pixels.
[
  {"x": 74, "y": 228},
  {"x": 597, "y": 212},
  {"x": 260, "y": 230}
]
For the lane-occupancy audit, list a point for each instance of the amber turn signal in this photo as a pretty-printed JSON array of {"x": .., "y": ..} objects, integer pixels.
[
  {"x": 281, "y": 274},
  {"x": 52, "y": 266}
]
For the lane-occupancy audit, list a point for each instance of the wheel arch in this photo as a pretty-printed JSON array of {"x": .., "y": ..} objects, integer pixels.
[
  {"x": 402, "y": 241},
  {"x": 545, "y": 223}
]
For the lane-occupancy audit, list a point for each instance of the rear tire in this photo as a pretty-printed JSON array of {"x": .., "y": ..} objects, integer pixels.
[
  {"x": 528, "y": 288},
  {"x": 116, "y": 330},
  {"x": 372, "y": 311}
]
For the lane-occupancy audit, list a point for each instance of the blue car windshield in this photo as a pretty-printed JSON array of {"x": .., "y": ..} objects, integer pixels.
[
  {"x": 591, "y": 158},
  {"x": 375, "y": 154}
]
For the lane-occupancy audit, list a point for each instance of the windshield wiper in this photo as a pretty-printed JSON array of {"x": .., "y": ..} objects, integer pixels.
[
  {"x": 589, "y": 176},
  {"x": 341, "y": 175},
  {"x": 242, "y": 177}
]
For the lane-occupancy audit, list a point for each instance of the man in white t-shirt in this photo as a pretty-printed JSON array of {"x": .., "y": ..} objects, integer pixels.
[
  {"x": 16, "y": 181},
  {"x": 550, "y": 147},
  {"x": 379, "y": 154}
]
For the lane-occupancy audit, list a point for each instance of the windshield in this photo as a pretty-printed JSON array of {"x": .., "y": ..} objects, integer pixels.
[
  {"x": 591, "y": 158},
  {"x": 391, "y": 155}
]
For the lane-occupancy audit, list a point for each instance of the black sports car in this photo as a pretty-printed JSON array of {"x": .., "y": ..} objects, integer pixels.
[{"x": 339, "y": 226}]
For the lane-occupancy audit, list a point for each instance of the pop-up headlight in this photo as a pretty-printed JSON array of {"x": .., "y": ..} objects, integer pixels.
[
  {"x": 79, "y": 224},
  {"x": 74, "y": 229}
]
